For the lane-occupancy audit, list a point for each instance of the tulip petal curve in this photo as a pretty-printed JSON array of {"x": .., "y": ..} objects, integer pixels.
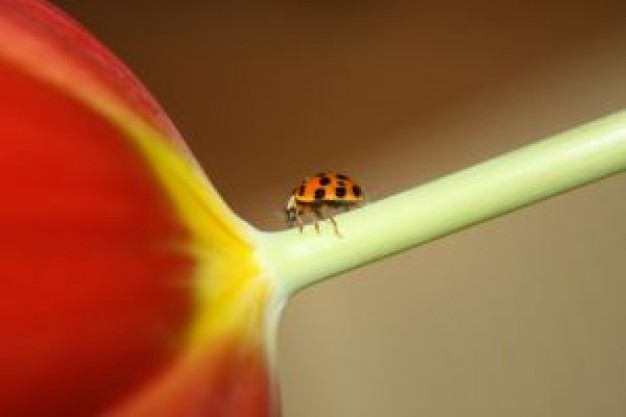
[{"x": 129, "y": 286}]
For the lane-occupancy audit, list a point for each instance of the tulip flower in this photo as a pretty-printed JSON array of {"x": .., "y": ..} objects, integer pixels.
[{"x": 129, "y": 288}]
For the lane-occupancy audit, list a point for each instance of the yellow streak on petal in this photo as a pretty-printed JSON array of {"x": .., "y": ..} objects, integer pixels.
[{"x": 231, "y": 291}]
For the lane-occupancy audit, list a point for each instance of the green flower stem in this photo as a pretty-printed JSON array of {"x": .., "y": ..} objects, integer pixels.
[{"x": 516, "y": 179}]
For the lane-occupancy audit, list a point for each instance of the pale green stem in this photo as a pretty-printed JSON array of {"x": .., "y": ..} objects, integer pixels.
[{"x": 560, "y": 163}]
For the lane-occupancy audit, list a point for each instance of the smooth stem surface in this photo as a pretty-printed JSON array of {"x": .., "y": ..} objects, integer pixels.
[{"x": 560, "y": 163}]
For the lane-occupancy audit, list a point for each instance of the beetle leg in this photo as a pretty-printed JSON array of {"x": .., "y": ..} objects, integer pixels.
[
  {"x": 318, "y": 213},
  {"x": 335, "y": 226},
  {"x": 322, "y": 213},
  {"x": 299, "y": 214}
]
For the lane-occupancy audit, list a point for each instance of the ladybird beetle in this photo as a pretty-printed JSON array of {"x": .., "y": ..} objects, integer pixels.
[{"x": 321, "y": 194}]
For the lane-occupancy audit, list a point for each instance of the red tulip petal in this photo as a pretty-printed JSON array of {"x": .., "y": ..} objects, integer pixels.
[
  {"x": 90, "y": 281},
  {"x": 127, "y": 283}
]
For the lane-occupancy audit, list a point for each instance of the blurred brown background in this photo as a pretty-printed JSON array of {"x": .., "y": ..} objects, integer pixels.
[{"x": 523, "y": 316}]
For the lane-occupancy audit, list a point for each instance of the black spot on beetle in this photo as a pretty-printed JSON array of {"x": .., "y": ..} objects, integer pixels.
[
  {"x": 301, "y": 191},
  {"x": 342, "y": 177},
  {"x": 341, "y": 183},
  {"x": 340, "y": 192},
  {"x": 324, "y": 180},
  {"x": 356, "y": 190},
  {"x": 320, "y": 193}
]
